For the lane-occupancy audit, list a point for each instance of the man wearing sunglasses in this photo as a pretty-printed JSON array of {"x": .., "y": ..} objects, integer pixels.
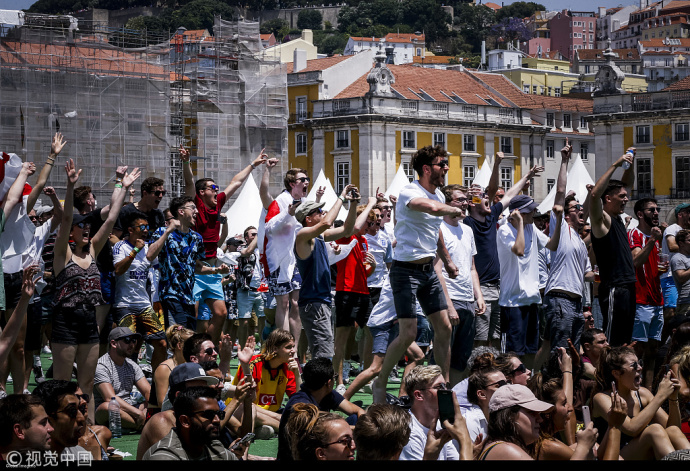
[
  {"x": 116, "y": 375},
  {"x": 152, "y": 193},
  {"x": 197, "y": 430},
  {"x": 132, "y": 302},
  {"x": 570, "y": 268}
]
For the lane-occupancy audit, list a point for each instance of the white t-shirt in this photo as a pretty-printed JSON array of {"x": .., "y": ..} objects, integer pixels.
[
  {"x": 384, "y": 311},
  {"x": 519, "y": 275},
  {"x": 277, "y": 237},
  {"x": 17, "y": 262},
  {"x": 414, "y": 450},
  {"x": 415, "y": 231},
  {"x": 459, "y": 241},
  {"x": 476, "y": 423},
  {"x": 130, "y": 287},
  {"x": 381, "y": 248},
  {"x": 569, "y": 262},
  {"x": 671, "y": 230}
]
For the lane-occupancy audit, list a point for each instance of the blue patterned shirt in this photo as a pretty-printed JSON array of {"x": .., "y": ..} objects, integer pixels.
[{"x": 177, "y": 262}]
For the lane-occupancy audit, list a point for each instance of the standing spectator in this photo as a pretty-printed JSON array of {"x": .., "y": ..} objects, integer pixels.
[
  {"x": 649, "y": 316},
  {"x": 209, "y": 201},
  {"x": 314, "y": 267},
  {"x": 181, "y": 255},
  {"x": 78, "y": 283},
  {"x": 612, "y": 250},
  {"x": 669, "y": 246},
  {"x": 132, "y": 307},
  {"x": 680, "y": 267},
  {"x": 249, "y": 277},
  {"x": 419, "y": 211},
  {"x": 483, "y": 220},
  {"x": 116, "y": 376},
  {"x": 519, "y": 242},
  {"x": 152, "y": 193},
  {"x": 464, "y": 289},
  {"x": 24, "y": 425}
]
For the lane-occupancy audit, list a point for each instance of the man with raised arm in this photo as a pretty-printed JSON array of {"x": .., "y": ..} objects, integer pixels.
[
  {"x": 312, "y": 261},
  {"x": 612, "y": 250},
  {"x": 209, "y": 201},
  {"x": 419, "y": 212},
  {"x": 483, "y": 219}
]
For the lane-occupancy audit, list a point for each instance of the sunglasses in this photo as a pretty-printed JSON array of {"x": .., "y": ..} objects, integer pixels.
[
  {"x": 500, "y": 383},
  {"x": 210, "y": 351},
  {"x": 160, "y": 193},
  {"x": 143, "y": 227},
  {"x": 213, "y": 188},
  {"x": 387, "y": 208},
  {"x": 128, "y": 340},
  {"x": 520, "y": 369},
  {"x": 576, "y": 207},
  {"x": 443, "y": 163},
  {"x": 72, "y": 410},
  {"x": 82, "y": 225},
  {"x": 210, "y": 414},
  {"x": 636, "y": 365},
  {"x": 84, "y": 397},
  {"x": 346, "y": 440},
  {"x": 303, "y": 179}
]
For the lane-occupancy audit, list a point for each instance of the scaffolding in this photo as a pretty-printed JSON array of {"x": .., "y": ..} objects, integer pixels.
[{"x": 131, "y": 98}]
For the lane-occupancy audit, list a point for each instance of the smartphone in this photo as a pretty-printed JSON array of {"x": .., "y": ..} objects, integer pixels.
[
  {"x": 586, "y": 417},
  {"x": 247, "y": 438},
  {"x": 222, "y": 219},
  {"x": 353, "y": 193},
  {"x": 446, "y": 409},
  {"x": 294, "y": 202},
  {"x": 613, "y": 387}
]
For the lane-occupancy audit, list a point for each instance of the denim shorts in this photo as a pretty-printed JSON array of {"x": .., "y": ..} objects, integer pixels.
[
  {"x": 208, "y": 287},
  {"x": 564, "y": 320},
  {"x": 409, "y": 283},
  {"x": 383, "y": 336},
  {"x": 248, "y": 301},
  {"x": 649, "y": 320}
]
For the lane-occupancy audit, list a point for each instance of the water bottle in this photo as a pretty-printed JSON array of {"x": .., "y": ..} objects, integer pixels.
[
  {"x": 626, "y": 165},
  {"x": 114, "y": 423}
]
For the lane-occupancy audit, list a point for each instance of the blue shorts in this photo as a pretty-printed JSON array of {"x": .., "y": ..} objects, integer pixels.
[
  {"x": 208, "y": 287},
  {"x": 670, "y": 292},
  {"x": 383, "y": 336},
  {"x": 203, "y": 313},
  {"x": 649, "y": 321},
  {"x": 108, "y": 287},
  {"x": 248, "y": 301}
]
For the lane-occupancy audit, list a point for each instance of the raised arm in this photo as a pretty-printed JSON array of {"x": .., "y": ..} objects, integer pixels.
[
  {"x": 266, "y": 198},
  {"x": 348, "y": 228},
  {"x": 238, "y": 179},
  {"x": 49, "y": 191},
  {"x": 556, "y": 236},
  {"x": 55, "y": 149},
  {"x": 518, "y": 247},
  {"x": 516, "y": 189},
  {"x": 562, "y": 180},
  {"x": 11, "y": 331},
  {"x": 600, "y": 221},
  {"x": 61, "y": 248},
  {"x": 433, "y": 207},
  {"x": 14, "y": 194},
  {"x": 189, "y": 187},
  {"x": 493, "y": 181}
]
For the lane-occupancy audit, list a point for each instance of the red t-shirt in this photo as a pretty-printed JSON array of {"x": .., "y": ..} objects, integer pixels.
[
  {"x": 207, "y": 223},
  {"x": 351, "y": 272},
  {"x": 647, "y": 284}
]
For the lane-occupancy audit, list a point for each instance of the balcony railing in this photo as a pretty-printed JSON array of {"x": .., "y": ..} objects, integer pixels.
[
  {"x": 646, "y": 193},
  {"x": 679, "y": 193}
]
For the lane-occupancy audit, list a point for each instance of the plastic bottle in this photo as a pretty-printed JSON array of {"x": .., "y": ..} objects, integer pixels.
[
  {"x": 114, "y": 423},
  {"x": 626, "y": 165}
]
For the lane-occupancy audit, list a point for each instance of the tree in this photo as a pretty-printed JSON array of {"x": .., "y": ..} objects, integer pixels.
[
  {"x": 278, "y": 26},
  {"x": 309, "y": 19},
  {"x": 473, "y": 23},
  {"x": 510, "y": 29},
  {"x": 519, "y": 10},
  {"x": 199, "y": 14},
  {"x": 426, "y": 16},
  {"x": 331, "y": 43}
]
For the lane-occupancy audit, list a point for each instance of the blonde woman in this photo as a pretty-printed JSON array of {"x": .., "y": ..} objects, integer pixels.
[{"x": 176, "y": 336}]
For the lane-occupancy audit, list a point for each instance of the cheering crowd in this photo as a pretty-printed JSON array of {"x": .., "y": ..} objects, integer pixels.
[{"x": 520, "y": 335}]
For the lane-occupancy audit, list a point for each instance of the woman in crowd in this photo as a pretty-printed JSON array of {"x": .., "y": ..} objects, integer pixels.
[
  {"x": 77, "y": 283},
  {"x": 512, "y": 367},
  {"x": 176, "y": 336},
  {"x": 316, "y": 435},
  {"x": 482, "y": 385},
  {"x": 648, "y": 432}
]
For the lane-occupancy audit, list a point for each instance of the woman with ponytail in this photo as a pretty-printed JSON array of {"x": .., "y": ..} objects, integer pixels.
[{"x": 316, "y": 435}]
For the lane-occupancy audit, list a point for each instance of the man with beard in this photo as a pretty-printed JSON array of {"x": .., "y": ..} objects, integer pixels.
[
  {"x": 24, "y": 425},
  {"x": 612, "y": 250},
  {"x": 196, "y": 432},
  {"x": 570, "y": 268},
  {"x": 420, "y": 209},
  {"x": 152, "y": 193},
  {"x": 645, "y": 243},
  {"x": 116, "y": 375},
  {"x": 66, "y": 416}
]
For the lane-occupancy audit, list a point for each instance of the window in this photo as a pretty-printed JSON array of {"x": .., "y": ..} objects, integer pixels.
[
  {"x": 468, "y": 175},
  {"x": 506, "y": 145},
  {"x": 301, "y": 143},
  {"x": 525, "y": 88},
  {"x": 534, "y": 89},
  {"x": 9, "y": 116},
  {"x": 550, "y": 120},
  {"x": 549, "y": 149},
  {"x": 566, "y": 121},
  {"x": 642, "y": 135},
  {"x": 468, "y": 143},
  {"x": 440, "y": 139},
  {"x": 584, "y": 150},
  {"x": 409, "y": 140},
  {"x": 342, "y": 176},
  {"x": 587, "y": 69},
  {"x": 644, "y": 177},
  {"x": 409, "y": 171},
  {"x": 557, "y": 91},
  {"x": 506, "y": 177},
  {"x": 301, "y": 109},
  {"x": 583, "y": 122},
  {"x": 682, "y": 176},
  {"x": 682, "y": 132},
  {"x": 343, "y": 139},
  {"x": 550, "y": 183},
  {"x": 135, "y": 123}
]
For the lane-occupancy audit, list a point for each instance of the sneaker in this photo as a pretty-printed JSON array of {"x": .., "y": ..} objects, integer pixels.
[
  {"x": 26, "y": 391},
  {"x": 46, "y": 350},
  {"x": 366, "y": 389},
  {"x": 266, "y": 432},
  {"x": 9, "y": 379},
  {"x": 346, "y": 371},
  {"x": 341, "y": 389},
  {"x": 38, "y": 372},
  {"x": 393, "y": 377}
]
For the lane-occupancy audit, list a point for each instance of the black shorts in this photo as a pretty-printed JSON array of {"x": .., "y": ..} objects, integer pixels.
[
  {"x": 75, "y": 325},
  {"x": 34, "y": 320},
  {"x": 412, "y": 283},
  {"x": 618, "y": 308},
  {"x": 351, "y": 307},
  {"x": 13, "y": 288}
]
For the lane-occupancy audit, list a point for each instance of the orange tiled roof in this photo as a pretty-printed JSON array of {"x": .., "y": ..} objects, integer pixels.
[
  {"x": 432, "y": 59},
  {"x": 493, "y": 6},
  {"x": 674, "y": 6},
  {"x": 659, "y": 42},
  {"x": 592, "y": 54},
  {"x": 95, "y": 60},
  {"x": 680, "y": 85},
  {"x": 392, "y": 38},
  {"x": 190, "y": 35},
  {"x": 318, "y": 64}
]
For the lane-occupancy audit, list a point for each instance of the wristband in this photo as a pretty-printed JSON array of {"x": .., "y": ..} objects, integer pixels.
[
  {"x": 137, "y": 250},
  {"x": 567, "y": 372},
  {"x": 252, "y": 164},
  {"x": 342, "y": 198},
  {"x": 132, "y": 255},
  {"x": 118, "y": 185}
]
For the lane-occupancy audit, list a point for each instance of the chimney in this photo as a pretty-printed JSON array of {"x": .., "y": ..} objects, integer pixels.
[
  {"x": 390, "y": 54},
  {"x": 308, "y": 36},
  {"x": 602, "y": 12},
  {"x": 299, "y": 60}
]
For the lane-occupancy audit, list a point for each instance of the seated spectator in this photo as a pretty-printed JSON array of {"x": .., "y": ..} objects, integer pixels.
[
  {"x": 317, "y": 389},
  {"x": 481, "y": 386},
  {"x": 316, "y": 435},
  {"x": 196, "y": 432},
  {"x": 176, "y": 336},
  {"x": 512, "y": 367},
  {"x": 382, "y": 432},
  {"x": 593, "y": 344},
  {"x": 482, "y": 357},
  {"x": 96, "y": 438},
  {"x": 116, "y": 376},
  {"x": 422, "y": 385},
  {"x": 649, "y": 432},
  {"x": 67, "y": 416},
  {"x": 24, "y": 425}
]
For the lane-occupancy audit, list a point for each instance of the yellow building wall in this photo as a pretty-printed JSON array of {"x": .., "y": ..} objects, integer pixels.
[
  {"x": 627, "y": 140},
  {"x": 454, "y": 147},
  {"x": 663, "y": 165},
  {"x": 398, "y": 146},
  {"x": 423, "y": 139},
  {"x": 517, "y": 173},
  {"x": 312, "y": 93},
  {"x": 480, "y": 150}
]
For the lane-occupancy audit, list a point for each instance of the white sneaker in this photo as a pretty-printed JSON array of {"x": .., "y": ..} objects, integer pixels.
[
  {"x": 341, "y": 389},
  {"x": 393, "y": 377},
  {"x": 366, "y": 389},
  {"x": 265, "y": 432},
  {"x": 46, "y": 350}
]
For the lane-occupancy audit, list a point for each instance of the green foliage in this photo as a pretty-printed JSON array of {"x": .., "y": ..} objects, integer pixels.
[
  {"x": 473, "y": 23},
  {"x": 426, "y": 16},
  {"x": 330, "y": 43},
  {"x": 309, "y": 19},
  {"x": 519, "y": 10},
  {"x": 279, "y": 27},
  {"x": 150, "y": 23},
  {"x": 199, "y": 14}
]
